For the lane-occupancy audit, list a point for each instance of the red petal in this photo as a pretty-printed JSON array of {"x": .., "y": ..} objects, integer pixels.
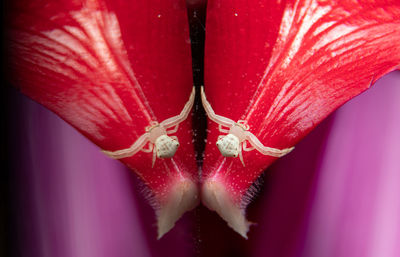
[
  {"x": 283, "y": 67},
  {"x": 109, "y": 68}
]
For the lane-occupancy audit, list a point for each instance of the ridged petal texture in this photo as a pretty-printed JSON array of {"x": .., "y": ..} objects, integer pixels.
[
  {"x": 109, "y": 68},
  {"x": 283, "y": 66}
]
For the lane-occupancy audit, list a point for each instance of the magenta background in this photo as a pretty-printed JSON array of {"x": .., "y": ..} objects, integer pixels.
[{"x": 337, "y": 194}]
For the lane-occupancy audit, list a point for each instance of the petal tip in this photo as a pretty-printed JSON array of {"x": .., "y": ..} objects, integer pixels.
[
  {"x": 215, "y": 197},
  {"x": 183, "y": 197}
]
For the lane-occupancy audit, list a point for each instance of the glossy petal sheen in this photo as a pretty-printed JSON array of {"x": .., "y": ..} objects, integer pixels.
[
  {"x": 109, "y": 68},
  {"x": 283, "y": 66}
]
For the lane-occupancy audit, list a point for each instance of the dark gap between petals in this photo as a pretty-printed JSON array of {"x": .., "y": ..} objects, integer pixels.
[{"x": 196, "y": 11}]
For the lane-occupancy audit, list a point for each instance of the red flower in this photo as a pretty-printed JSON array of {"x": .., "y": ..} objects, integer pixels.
[
  {"x": 113, "y": 69},
  {"x": 283, "y": 66}
]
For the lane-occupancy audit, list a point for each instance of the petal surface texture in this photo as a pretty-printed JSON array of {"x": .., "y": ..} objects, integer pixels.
[
  {"x": 284, "y": 66},
  {"x": 110, "y": 68}
]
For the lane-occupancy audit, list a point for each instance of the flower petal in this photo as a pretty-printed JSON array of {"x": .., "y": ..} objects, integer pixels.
[
  {"x": 110, "y": 69},
  {"x": 285, "y": 66}
]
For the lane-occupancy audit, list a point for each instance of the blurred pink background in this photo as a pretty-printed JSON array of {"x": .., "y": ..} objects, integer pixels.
[{"x": 337, "y": 194}]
